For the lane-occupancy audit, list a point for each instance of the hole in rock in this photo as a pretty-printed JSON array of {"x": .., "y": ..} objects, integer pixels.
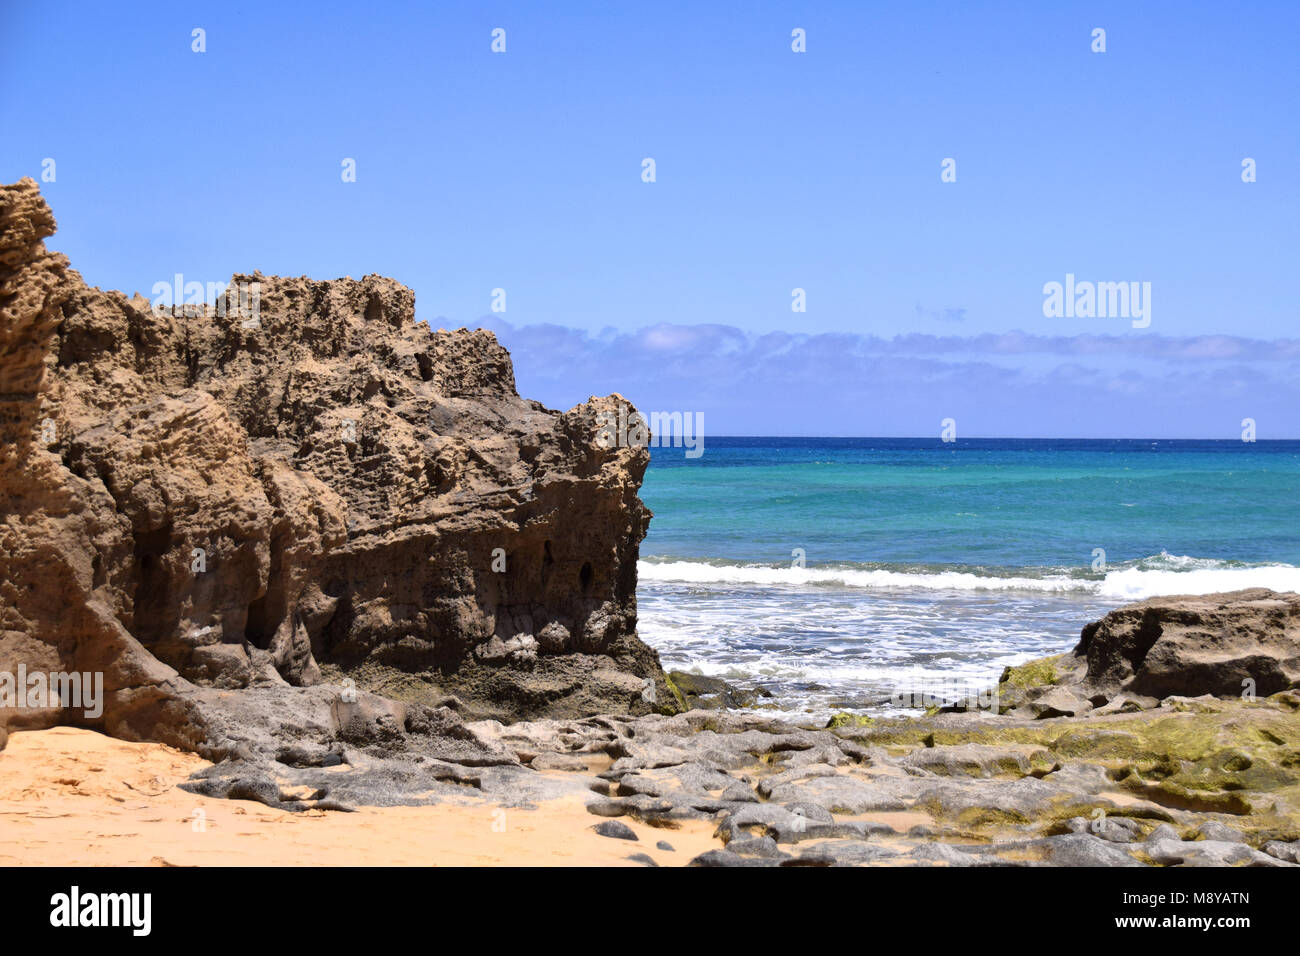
[{"x": 151, "y": 589}]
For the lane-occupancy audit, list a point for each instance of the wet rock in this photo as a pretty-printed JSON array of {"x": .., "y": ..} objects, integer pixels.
[{"x": 711, "y": 693}]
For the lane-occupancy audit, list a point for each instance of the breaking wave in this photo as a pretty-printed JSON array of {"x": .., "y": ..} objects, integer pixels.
[{"x": 1161, "y": 574}]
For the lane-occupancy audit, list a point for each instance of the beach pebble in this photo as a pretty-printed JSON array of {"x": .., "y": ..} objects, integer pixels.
[{"x": 615, "y": 829}]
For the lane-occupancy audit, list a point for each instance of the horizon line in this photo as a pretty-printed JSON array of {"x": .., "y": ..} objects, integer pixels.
[{"x": 1257, "y": 441}]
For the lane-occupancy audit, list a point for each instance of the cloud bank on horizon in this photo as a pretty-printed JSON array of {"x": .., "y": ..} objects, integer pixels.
[{"x": 1012, "y": 385}]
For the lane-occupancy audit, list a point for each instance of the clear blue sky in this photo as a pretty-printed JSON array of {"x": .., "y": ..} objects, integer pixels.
[{"x": 775, "y": 170}]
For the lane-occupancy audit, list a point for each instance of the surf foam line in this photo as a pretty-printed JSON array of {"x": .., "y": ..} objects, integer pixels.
[{"x": 1127, "y": 583}]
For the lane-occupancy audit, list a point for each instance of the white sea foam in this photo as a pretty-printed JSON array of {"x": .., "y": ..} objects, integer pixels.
[
  {"x": 824, "y": 639},
  {"x": 1137, "y": 583},
  {"x": 1150, "y": 577}
]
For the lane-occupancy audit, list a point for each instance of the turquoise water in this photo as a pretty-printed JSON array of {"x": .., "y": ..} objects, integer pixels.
[{"x": 931, "y": 566}]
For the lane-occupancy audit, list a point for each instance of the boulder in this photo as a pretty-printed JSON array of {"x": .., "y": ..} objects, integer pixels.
[{"x": 1241, "y": 643}]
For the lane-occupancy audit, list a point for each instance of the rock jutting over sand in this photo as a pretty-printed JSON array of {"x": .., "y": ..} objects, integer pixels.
[{"x": 304, "y": 487}]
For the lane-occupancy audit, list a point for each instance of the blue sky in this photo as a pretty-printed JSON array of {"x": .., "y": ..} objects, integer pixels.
[{"x": 774, "y": 170}]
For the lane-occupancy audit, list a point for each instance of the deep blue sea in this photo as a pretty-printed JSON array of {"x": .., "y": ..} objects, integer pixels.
[{"x": 840, "y": 572}]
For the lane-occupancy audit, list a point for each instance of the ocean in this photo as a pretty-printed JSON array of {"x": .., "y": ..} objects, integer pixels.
[{"x": 841, "y": 573}]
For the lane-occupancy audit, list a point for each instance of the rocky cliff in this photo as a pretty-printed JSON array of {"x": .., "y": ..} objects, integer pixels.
[{"x": 304, "y": 486}]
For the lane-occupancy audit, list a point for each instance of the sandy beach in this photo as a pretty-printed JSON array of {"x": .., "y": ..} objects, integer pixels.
[{"x": 71, "y": 797}]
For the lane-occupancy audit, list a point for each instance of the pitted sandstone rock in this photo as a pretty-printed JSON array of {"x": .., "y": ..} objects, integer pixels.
[{"x": 325, "y": 492}]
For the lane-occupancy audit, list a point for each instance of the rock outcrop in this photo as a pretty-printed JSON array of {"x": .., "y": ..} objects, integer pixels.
[
  {"x": 301, "y": 486},
  {"x": 1221, "y": 644},
  {"x": 1235, "y": 644}
]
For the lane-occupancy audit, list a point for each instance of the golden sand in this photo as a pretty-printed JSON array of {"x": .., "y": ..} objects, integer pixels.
[{"x": 71, "y": 797}]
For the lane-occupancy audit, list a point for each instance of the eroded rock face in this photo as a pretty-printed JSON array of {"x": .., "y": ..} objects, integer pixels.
[
  {"x": 1220, "y": 644},
  {"x": 1235, "y": 644},
  {"x": 307, "y": 482}
]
